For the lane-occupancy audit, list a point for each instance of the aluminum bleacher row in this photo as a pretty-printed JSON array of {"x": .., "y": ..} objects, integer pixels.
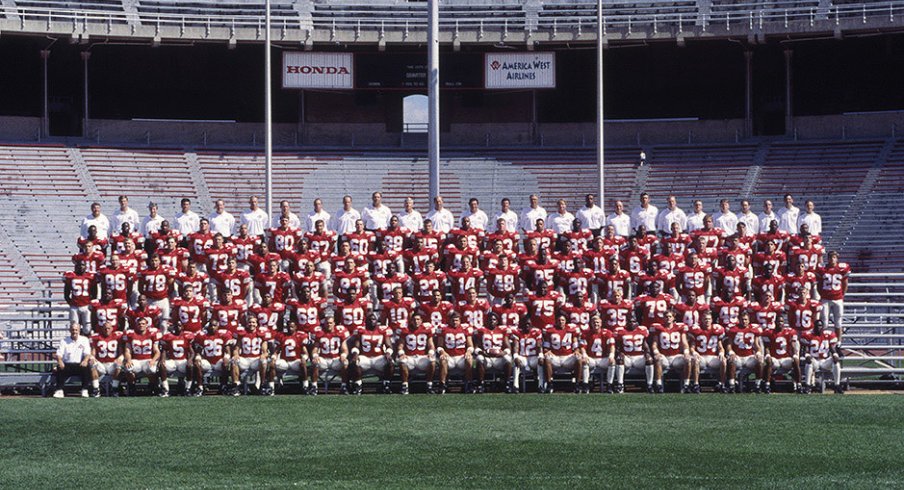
[{"x": 858, "y": 187}]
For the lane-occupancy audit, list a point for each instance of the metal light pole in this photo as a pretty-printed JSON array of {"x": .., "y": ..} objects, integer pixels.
[
  {"x": 600, "y": 150},
  {"x": 268, "y": 114},
  {"x": 433, "y": 95}
]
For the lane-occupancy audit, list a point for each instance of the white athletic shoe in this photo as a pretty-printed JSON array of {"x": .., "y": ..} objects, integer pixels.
[
  {"x": 84, "y": 393},
  {"x": 58, "y": 394}
]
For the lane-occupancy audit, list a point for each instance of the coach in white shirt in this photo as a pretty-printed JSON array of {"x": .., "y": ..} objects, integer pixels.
[
  {"x": 749, "y": 219},
  {"x": 310, "y": 222},
  {"x": 125, "y": 215},
  {"x": 592, "y": 217},
  {"x": 810, "y": 218},
  {"x": 620, "y": 220},
  {"x": 506, "y": 213},
  {"x": 695, "y": 219},
  {"x": 767, "y": 217},
  {"x": 410, "y": 218},
  {"x": 442, "y": 218},
  {"x": 344, "y": 220},
  {"x": 645, "y": 215},
  {"x": 531, "y": 214},
  {"x": 255, "y": 218},
  {"x": 96, "y": 218},
  {"x": 151, "y": 223},
  {"x": 187, "y": 221},
  {"x": 72, "y": 358},
  {"x": 787, "y": 216},
  {"x": 561, "y": 220},
  {"x": 478, "y": 218},
  {"x": 220, "y": 220},
  {"x": 377, "y": 216},
  {"x": 671, "y": 214},
  {"x": 725, "y": 219}
]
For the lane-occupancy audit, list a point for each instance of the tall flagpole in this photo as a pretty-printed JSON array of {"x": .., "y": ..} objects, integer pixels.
[
  {"x": 600, "y": 150},
  {"x": 433, "y": 95},
  {"x": 268, "y": 113}
]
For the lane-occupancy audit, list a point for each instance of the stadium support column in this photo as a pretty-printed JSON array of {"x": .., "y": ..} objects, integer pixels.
[
  {"x": 748, "y": 93},
  {"x": 433, "y": 95},
  {"x": 268, "y": 112},
  {"x": 789, "y": 107},
  {"x": 45, "y": 114},
  {"x": 85, "y": 56},
  {"x": 600, "y": 113}
]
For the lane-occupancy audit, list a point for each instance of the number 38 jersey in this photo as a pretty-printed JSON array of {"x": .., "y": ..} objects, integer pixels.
[{"x": 251, "y": 342}]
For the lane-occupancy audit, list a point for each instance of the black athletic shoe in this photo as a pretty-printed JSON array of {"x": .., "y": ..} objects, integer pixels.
[
  {"x": 343, "y": 390},
  {"x": 696, "y": 389},
  {"x": 386, "y": 388},
  {"x": 441, "y": 389},
  {"x": 660, "y": 389},
  {"x": 719, "y": 388},
  {"x": 481, "y": 389},
  {"x": 431, "y": 390},
  {"x": 767, "y": 388},
  {"x": 608, "y": 389},
  {"x": 650, "y": 389},
  {"x": 619, "y": 388},
  {"x": 403, "y": 390},
  {"x": 839, "y": 390}
]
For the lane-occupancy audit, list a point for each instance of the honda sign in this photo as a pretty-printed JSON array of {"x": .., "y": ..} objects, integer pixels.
[{"x": 318, "y": 70}]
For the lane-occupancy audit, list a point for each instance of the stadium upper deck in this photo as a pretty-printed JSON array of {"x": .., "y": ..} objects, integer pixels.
[{"x": 462, "y": 21}]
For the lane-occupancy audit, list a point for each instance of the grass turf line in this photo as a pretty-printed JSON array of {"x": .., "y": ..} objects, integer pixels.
[{"x": 454, "y": 441}]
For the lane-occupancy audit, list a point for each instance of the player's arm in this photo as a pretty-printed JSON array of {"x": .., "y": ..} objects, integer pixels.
[
  {"x": 685, "y": 345},
  {"x": 155, "y": 349},
  {"x": 67, "y": 291}
]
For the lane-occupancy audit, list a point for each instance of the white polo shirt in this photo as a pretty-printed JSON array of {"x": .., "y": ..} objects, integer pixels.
[
  {"x": 751, "y": 221},
  {"x": 376, "y": 218},
  {"x": 695, "y": 221},
  {"x": 646, "y": 217},
  {"x": 223, "y": 223},
  {"x": 443, "y": 220},
  {"x": 129, "y": 216},
  {"x": 311, "y": 220},
  {"x": 621, "y": 223},
  {"x": 256, "y": 220},
  {"x": 813, "y": 220},
  {"x": 101, "y": 222},
  {"x": 561, "y": 223},
  {"x": 787, "y": 219},
  {"x": 592, "y": 218},
  {"x": 151, "y": 225},
  {"x": 412, "y": 221},
  {"x": 726, "y": 221},
  {"x": 478, "y": 218},
  {"x": 766, "y": 219},
  {"x": 74, "y": 351},
  {"x": 530, "y": 216},
  {"x": 669, "y": 216},
  {"x": 344, "y": 221},
  {"x": 510, "y": 217},
  {"x": 188, "y": 222}
]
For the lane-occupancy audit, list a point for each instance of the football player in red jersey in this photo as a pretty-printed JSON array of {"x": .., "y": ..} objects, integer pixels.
[
  {"x": 245, "y": 245},
  {"x": 803, "y": 313},
  {"x": 823, "y": 355},
  {"x": 473, "y": 309},
  {"x": 108, "y": 309},
  {"x": 273, "y": 283},
  {"x": 141, "y": 355},
  {"x": 230, "y": 313},
  {"x": 503, "y": 280},
  {"x": 251, "y": 355},
  {"x": 833, "y": 284},
  {"x": 671, "y": 351},
  {"x": 541, "y": 270},
  {"x": 493, "y": 352},
  {"x": 132, "y": 258},
  {"x": 322, "y": 242},
  {"x": 709, "y": 351},
  {"x": 361, "y": 241},
  {"x": 616, "y": 312},
  {"x": 528, "y": 344},
  {"x": 633, "y": 354},
  {"x": 212, "y": 356},
  {"x": 464, "y": 279},
  {"x": 260, "y": 261},
  {"x": 329, "y": 354},
  {"x": 397, "y": 310},
  {"x": 543, "y": 306},
  {"x": 283, "y": 240},
  {"x": 728, "y": 310},
  {"x": 198, "y": 281},
  {"x": 808, "y": 254},
  {"x": 561, "y": 345},
  {"x": 417, "y": 258},
  {"x": 291, "y": 356},
  {"x": 782, "y": 355},
  {"x": 217, "y": 257},
  {"x": 125, "y": 234},
  {"x": 190, "y": 312},
  {"x": 173, "y": 256},
  {"x": 731, "y": 280},
  {"x": 234, "y": 280},
  {"x": 578, "y": 280},
  {"x": 370, "y": 353},
  {"x": 91, "y": 256},
  {"x": 766, "y": 312},
  {"x": 677, "y": 242},
  {"x": 437, "y": 310},
  {"x": 652, "y": 307},
  {"x": 769, "y": 282},
  {"x": 598, "y": 354},
  {"x": 269, "y": 314},
  {"x": 544, "y": 237},
  {"x": 394, "y": 278},
  {"x": 744, "y": 347},
  {"x": 510, "y": 312},
  {"x": 694, "y": 276},
  {"x": 310, "y": 280},
  {"x": 772, "y": 256},
  {"x": 508, "y": 238},
  {"x": 455, "y": 351},
  {"x": 156, "y": 282},
  {"x": 79, "y": 288},
  {"x": 353, "y": 314},
  {"x": 799, "y": 280},
  {"x": 690, "y": 311},
  {"x": 578, "y": 239},
  {"x": 428, "y": 282},
  {"x": 175, "y": 359},
  {"x": 615, "y": 278},
  {"x": 416, "y": 352},
  {"x": 350, "y": 279},
  {"x": 106, "y": 357},
  {"x": 579, "y": 311},
  {"x": 306, "y": 311},
  {"x": 142, "y": 310},
  {"x": 117, "y": 279}
]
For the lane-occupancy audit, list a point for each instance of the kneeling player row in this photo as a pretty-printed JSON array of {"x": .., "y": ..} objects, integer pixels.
[{"x": 425, "y": 350}]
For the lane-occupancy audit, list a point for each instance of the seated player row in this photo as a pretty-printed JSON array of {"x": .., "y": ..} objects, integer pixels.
[{"x": 251, "y": 350}]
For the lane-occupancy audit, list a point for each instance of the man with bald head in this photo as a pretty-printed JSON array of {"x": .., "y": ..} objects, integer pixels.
[
  {"x": 442, "y": 218},
  {"x": 620, "y": 220}
]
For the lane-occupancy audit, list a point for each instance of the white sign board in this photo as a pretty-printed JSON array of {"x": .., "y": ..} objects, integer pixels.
[
  {"x": 519, "y": 70},
  {"x": 318, "y": 70}
]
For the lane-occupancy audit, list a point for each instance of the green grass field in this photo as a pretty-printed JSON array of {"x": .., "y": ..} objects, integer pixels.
[{"x": 506, "y": 441}]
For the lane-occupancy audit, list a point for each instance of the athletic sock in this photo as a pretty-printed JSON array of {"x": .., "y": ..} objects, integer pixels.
[
  {"x": 95, "y": 383},
  {"x": 620, "y": 373}
]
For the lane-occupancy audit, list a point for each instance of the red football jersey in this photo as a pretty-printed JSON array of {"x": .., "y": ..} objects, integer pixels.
[
  {"x": 213, "y": 345},
  {"x": 314, "y": 283},
  {"x": 744, "y": 340},
  {"x": 82, "y": 288},
  {"x": 177, "y": 346},
  {"x": 395, "y": 315},
  {"x": 706, "y": 342},
  {"x": 321, "y": 244},
  {"x": 597, "y": 345},
  {"x": 251, "y": 343},
  {"x": 437, "y": 314},
  {"x": 344, "y": 281},
  {"x": 228, "y": 316},
  {"x": 491, "y": 341},
  {"x": 780, "y": 342},
  {"x": 275, "y": 284},
  {"x": 352, "y": 314},
  {"x": 361, "y": 243},
  {"x": 529, "y": 342},
  {"x": 373, "y": 342},
  {"x": 189, "y": 314},
  {"x": 455, "y": 340},
  {"x": 141, "y": 344},
  {"x": 579, "y": 314},
  {"x": 729, "y": 311},
  {"x": 284, "y": 241},
  {"x": 118, "y": 281},
  {"x": 693, "y": 279},
  {"x": 668, "y": 339},
  {"x": 425, "y": 284},
  {"x": 415, "y": 342},
  {"x": 238, "y": 282},
  {"x": 501, "y": 283},
  {"x": 510, "y": 317},
  {"x": 801, "y": 315},
  {"x": 106, "y": 348},
  {"x": 610, "y": 282},
  {"x": 244, "y": 247},
  {"x": 615, "y": 315},
  {"x": 631, "y": 342},
  {"x": 307, "y": 315},
  {"x": 218, "y": 258},
  {"x": 114, "y": 311},
  {"x": 820, "y": 345},
  {"x": 461, "y": 281},
  {"x": 542, "y": 309},
  {"x": 654, "y": 308},
  {"x": 291, "y": 347},
  {"x": 765, "y": 315},
  {"x": 197, "y": 282},
  {"x": 689, "y": 314},
  {"x": 416, "y": 260},
  {"x": 330, "y": 343},
  {"x": 474, "y": 315},
  {"x": 269, "y": 316},
  {"x": 833, "y": 281},
  {"x": 155, "y": 283}
]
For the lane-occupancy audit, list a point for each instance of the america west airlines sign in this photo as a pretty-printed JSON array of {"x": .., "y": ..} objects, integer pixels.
[{"x": 519, "y": 70}]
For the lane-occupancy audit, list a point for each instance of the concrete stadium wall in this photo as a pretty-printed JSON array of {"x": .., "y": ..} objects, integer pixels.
[{"x": 360, "y": 134}]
